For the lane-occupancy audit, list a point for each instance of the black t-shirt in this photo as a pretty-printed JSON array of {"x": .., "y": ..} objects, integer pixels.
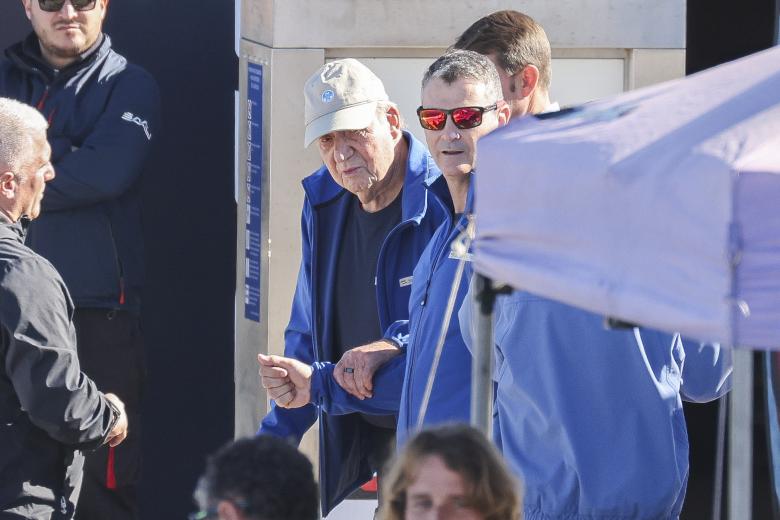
[
  {"x": 356, "y": 317},
  {"x": 354, "y": 302}
]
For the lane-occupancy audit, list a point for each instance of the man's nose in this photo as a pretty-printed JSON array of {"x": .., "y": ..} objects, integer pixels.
[
  {"x": 343, "y": 151},
  {"x": 67, "y": 10},
  {"x": 442, "y": 513},
  {"x": 450, "y": 131}
]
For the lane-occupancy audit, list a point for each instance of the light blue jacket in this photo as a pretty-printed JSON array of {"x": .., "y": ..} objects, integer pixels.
[
  {"x": 591, "y": 419},
  {"x": 400, "y": 384}
]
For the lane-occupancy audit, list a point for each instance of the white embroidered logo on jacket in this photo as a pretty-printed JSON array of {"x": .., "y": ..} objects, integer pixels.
[{"x": 127, "y": 116}]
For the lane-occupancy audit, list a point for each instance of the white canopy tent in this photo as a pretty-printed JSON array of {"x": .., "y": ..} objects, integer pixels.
[{"x": 659, "y": 207}]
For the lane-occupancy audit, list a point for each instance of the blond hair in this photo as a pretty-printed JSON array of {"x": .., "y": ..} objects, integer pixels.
[{"x": 489, "y": 486}]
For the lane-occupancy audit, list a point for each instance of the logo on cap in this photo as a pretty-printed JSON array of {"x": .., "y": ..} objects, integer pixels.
[{"x": 328, "y": 96}]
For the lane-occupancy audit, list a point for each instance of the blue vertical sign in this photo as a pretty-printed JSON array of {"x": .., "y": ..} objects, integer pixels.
[{"x": 254, "y": 174}]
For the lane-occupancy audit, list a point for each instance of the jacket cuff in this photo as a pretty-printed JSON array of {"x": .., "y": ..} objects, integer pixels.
[
  {"x": 114, "y": 415},
  {"x": 399, "y": 339},
  {"x": 319, "y": 382}
]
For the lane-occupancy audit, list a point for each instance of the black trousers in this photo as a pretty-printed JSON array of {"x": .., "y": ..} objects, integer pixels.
[
  {"x": 110, "y": 349},
  {"x": 381, "y": 455}
]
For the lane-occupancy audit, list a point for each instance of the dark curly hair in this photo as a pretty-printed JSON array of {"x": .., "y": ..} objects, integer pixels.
[{"x": 269, "y": 475}]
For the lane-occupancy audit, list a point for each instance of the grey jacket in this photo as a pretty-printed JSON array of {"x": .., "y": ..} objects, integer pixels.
[{"x": 49, "y": 409}]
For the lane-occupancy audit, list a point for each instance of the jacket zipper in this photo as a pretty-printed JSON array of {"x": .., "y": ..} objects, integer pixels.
[
  {"x": 41, "y": 105},
  {"x": 42, "y": 102},
  {"x": 381, "y": 298},
  {"x": 412, "y": 355}
]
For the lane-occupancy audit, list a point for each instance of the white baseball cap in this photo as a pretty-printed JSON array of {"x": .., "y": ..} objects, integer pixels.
[{"x": 342, "y": 95}]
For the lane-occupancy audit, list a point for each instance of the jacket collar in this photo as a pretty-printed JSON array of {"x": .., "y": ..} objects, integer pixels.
[
  {"x": 438, "y": 187},
  {"x": 321, "y": 189},
  {"x": 13, "y": 230},
  {"x": 27, "y": 56}
]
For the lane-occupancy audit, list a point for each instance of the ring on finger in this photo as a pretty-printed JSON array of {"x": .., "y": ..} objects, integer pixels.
[{"x": 349, "y": 370}]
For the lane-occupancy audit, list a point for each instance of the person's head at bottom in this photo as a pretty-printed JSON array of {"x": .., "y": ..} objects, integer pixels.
[
  {"x": 259, "y": 478},
  {"x": 450, "y": 472}
]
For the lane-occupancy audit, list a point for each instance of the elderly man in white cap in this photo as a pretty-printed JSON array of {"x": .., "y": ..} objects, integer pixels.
[{"x": 366, "y": 220}]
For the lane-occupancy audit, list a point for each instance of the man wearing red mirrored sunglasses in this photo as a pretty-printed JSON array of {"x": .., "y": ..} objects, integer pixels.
[{"x": 102, "y": 114}]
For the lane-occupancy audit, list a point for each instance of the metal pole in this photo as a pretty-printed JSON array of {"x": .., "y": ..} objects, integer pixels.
[
  {"x": 720, "y": 458},
  {"x": 741, "y": 437},
  {"x": 482, "y": 365}
]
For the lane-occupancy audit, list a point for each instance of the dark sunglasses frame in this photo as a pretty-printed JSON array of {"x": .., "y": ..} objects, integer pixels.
[
  {"x": 448, "y": 113},
  {"x": 54, "y": 6}
]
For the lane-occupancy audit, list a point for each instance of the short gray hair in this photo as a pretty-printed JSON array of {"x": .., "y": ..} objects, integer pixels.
[
  {"x": 461, "y": 64},
  {"x": 18, "y": 125}
]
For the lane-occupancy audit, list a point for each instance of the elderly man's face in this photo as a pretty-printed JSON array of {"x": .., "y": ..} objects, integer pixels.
[
  {"x": 358, "y": 159},
  {"x": 67, "y": 33},
  {"x": 455, "y": 149}
]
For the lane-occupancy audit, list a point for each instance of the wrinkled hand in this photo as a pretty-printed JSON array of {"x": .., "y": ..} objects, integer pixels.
[
  {"x": 364, "y": 361},
  {"x": 119, "y": 431},
  {"x": 287, "y": 380}
]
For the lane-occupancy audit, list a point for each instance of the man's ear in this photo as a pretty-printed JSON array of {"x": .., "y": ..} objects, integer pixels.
[
  {"x": 226, "y": 510},
  {"x": 8, "y": 185},
  {"x": 27, "y": 8},
  {"x": 529, "y": 80},
  {"x": 105, "y": 8},
  {"x": 504, "y": 113},
  {"x": 394, "y": 120}
]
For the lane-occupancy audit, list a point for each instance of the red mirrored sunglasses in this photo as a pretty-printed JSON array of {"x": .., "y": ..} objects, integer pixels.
[{"x": 463, "y": 117}]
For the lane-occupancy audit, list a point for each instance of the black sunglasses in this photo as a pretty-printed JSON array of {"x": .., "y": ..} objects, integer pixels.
[
  {"x": 53, "y": 6},
  {"x": 463, "y": 117}
]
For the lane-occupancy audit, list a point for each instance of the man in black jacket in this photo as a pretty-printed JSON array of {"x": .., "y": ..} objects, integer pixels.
[
  {"x": 102, "y": 114},
  {"x": 49, "y": 409}
]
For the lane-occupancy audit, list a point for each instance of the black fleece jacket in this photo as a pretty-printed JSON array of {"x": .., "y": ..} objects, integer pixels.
[{"x": 49, "y": 409}]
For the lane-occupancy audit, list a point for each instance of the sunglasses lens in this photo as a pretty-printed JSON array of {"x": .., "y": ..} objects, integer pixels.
[
  {"x": 467, "y": 117},
  {"x": 83, "y": 5},
  {"x": 432, "y": 119},
  {"x": 50, "y": 6}
]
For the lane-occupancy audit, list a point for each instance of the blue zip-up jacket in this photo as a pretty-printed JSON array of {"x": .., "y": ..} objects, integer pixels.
[
  {"x": 308, "y": 337},
  {"x": 591, "y": 419},
  {"x": 399, "y": 385},
  {"x": 103, "y": 115}
]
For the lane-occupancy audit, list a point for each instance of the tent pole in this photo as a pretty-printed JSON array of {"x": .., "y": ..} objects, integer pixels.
[
  {"x": 741, "y": 437},
  {"x": 720, "y": 458},
  {"x": 482, "y": 366}
]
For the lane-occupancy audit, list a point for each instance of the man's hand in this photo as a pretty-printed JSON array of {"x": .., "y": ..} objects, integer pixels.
[
  {"x": 355, "y": 370},
  {"x": 287, "y": 380},
  {"x": 119, "y": 432}
]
